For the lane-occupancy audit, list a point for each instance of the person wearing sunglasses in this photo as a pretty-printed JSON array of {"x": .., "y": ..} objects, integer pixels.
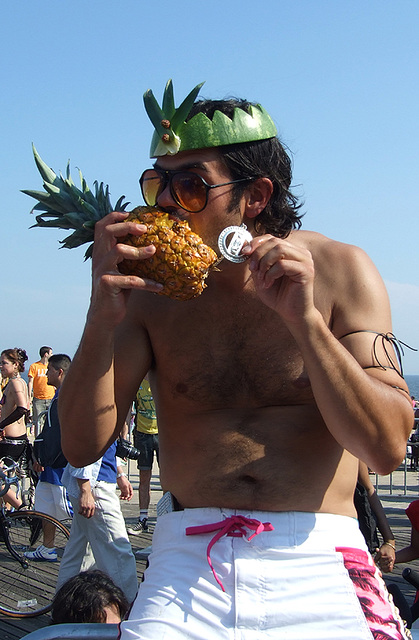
[{"x": 269, "y": 388}]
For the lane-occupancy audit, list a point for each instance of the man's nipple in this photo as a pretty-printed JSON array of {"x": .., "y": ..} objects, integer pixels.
[{"x": 181, "y": 387}]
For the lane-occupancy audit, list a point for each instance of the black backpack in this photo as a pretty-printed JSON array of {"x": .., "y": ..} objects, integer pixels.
[{"x": 47, "y": 446}]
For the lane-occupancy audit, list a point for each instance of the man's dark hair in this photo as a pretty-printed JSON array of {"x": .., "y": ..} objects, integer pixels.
[
  {"x": 83, "y": 598},
  {"x": 260, "y": 159},
  {"x": 43, "y": 351},
  {"x": 60, "y": 361}
]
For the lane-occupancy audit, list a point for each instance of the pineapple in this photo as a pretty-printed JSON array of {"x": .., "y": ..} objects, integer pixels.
[{"x": 181, "y": 262}]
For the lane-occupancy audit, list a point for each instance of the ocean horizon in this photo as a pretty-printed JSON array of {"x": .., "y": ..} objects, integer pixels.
[{"x": 413, "y": 384}]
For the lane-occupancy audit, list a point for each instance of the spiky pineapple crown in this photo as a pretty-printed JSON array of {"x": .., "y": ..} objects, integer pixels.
[
  {"x": 173, "y": 134},
  {"x": 64, "y": 206}
]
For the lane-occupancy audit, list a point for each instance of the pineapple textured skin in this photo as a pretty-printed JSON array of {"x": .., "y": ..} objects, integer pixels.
[{"x": 181, "y": 261}]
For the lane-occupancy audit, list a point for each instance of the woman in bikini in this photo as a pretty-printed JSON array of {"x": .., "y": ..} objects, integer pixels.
[{"x": 14, "y": 409}]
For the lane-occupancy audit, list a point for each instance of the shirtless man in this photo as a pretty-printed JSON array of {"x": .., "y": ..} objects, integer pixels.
[{"x": 268, "y": 390}]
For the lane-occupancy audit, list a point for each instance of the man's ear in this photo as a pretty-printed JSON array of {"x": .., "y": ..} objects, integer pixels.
[{"x": 257, "y": 196}]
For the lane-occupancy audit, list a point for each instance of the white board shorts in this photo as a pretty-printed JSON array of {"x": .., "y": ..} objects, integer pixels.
[
  {"x": 311, "y": 578},
  {"x": 52, "y": 499}
]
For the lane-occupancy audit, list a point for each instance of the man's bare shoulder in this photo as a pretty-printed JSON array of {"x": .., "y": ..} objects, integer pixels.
[
  {"x": 328, "y": 254},
  {"x": 317, "y": 242},
  {"x": 349, "y": 280}
]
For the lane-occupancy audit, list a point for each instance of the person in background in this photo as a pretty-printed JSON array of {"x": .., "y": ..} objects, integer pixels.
[
  {"x": 40, "y": 392},
  {"x": 3, "y": 382},
  {"x": 89, "y": 596},
  {"x": 371, "y": 516},
  {"x": 14, "y": 412},
  {"x": 146, "y": 440},
  {"x": 411, "y": 552},
  {"x": 14, "y": 404},
  {"x": 50, "y": 495},
  {"x": 98, "y": 537},
  {"x": 410, "y": 613}
]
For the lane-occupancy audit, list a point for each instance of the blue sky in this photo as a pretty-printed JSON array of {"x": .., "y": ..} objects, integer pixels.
[{"x": 340, "y": 79}]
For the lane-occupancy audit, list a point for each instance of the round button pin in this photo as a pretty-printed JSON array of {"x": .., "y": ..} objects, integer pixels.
[{"x": 231, "y": 248}]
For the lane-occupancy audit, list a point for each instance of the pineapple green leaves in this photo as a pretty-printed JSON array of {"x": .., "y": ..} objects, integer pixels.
[{"x": 63, "y": 206}]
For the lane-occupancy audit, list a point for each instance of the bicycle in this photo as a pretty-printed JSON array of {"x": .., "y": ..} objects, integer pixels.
[{"x": 27, "y": 586}]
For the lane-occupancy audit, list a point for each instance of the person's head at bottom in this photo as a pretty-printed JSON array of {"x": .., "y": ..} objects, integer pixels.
[{"x": 90, "y": 596}]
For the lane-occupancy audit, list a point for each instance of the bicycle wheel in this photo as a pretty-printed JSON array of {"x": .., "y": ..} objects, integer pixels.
[{"x": 28, "y": 590}]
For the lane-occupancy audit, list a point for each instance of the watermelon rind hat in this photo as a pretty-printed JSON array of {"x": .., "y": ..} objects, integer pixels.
[{"x": 172, "y": 134}]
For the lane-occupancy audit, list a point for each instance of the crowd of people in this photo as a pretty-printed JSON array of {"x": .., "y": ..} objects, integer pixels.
[
  {"x": 98, "y": 546},
  {"x": 285, "y": 362}
]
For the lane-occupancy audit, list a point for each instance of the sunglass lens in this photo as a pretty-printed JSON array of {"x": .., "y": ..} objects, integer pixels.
[
  {"x": 151, "y": 186},
  {"x": 189, "y": 191}
]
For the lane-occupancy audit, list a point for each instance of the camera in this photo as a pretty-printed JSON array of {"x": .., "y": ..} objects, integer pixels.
[{"x": 124, "y": 449}]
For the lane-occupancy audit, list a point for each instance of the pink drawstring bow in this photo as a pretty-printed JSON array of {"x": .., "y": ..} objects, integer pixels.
[{"x": 233, "y": 526}]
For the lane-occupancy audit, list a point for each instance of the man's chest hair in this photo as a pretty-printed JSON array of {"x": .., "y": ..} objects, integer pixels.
[{"x": 239, "y": 357}]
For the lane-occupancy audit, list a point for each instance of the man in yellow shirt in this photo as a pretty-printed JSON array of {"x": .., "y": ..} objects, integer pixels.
[
  {"x": 146, "y": 440},
  {"x": 38, "y": 386}
]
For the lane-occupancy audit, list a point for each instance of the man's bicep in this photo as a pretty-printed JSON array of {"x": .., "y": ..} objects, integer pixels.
[
  {"x": 362, "y": 308},
  {"x": 362, "y": 320}
]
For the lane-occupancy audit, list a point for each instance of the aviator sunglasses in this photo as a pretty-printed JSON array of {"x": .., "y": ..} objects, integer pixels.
[{"x": 189, "y": 190}]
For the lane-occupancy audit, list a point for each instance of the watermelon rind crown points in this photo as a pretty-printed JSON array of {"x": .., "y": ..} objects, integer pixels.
[
  {"x": 63, "y": 206},
  {"x": 172, "y": 134},
  {"x": 165, "y": 139}
]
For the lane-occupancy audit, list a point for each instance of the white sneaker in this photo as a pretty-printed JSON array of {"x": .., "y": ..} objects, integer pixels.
[
  {"x": 42, "y": 553},
  {"x": 137, "y": 529}
]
